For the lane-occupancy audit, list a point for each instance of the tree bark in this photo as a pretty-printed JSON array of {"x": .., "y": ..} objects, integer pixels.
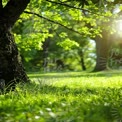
[{"x": 11, "y": 68}]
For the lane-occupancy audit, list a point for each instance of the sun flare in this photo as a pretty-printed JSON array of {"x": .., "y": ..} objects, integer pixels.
[{"x": 119, "y": 25}]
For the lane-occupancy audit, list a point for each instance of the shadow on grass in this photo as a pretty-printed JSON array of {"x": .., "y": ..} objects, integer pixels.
[
  {"x": 75, "y": 74},
  {"x": 65, "y": 90}
]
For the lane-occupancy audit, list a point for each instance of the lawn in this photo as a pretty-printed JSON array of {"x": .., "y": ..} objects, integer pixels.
[{"x": 65, "y": 97}]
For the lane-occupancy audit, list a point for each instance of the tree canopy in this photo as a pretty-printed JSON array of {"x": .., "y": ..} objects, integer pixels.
[{"x": 70, "y": 22}]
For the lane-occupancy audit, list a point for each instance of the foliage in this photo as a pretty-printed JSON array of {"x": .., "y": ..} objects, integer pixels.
[
  {"x": 70, "y": 24},
  {"x": 67, "y": 97}
]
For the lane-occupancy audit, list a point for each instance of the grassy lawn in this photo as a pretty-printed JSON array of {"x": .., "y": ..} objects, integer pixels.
[{"x": 65, "y": 97}]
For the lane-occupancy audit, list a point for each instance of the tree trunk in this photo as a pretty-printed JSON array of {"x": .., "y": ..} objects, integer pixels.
[
  {"x": 81, "y": 54},
  {"x": 102, "y": 51},
  {"x": 11, "y": 68},
  {"x": 45, "y": 52}
]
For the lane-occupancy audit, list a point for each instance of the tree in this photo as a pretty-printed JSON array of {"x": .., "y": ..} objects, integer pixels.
[{"x": 11, "y": 68}]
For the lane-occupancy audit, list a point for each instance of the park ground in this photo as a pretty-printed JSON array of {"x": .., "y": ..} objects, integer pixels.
[{"x": 65, "y": 97}]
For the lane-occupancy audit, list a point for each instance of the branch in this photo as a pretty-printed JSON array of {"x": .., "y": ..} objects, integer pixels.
[
  {"x": 52, "y": 21},
  {"x": 13, "y": 10},
  {"x": 69, "y": 6},
  {"x": 73, "y": 7}
]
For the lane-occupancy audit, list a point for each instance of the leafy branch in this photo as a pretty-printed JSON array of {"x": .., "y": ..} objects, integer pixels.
[
  {"x": 69, "y": 6},
  {"x": 52, "y": 21},
  {"x": 73, "y": 7}
]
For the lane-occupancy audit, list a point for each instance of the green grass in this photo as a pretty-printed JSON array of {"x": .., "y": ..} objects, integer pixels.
[{"x": 65, "y": 97}]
